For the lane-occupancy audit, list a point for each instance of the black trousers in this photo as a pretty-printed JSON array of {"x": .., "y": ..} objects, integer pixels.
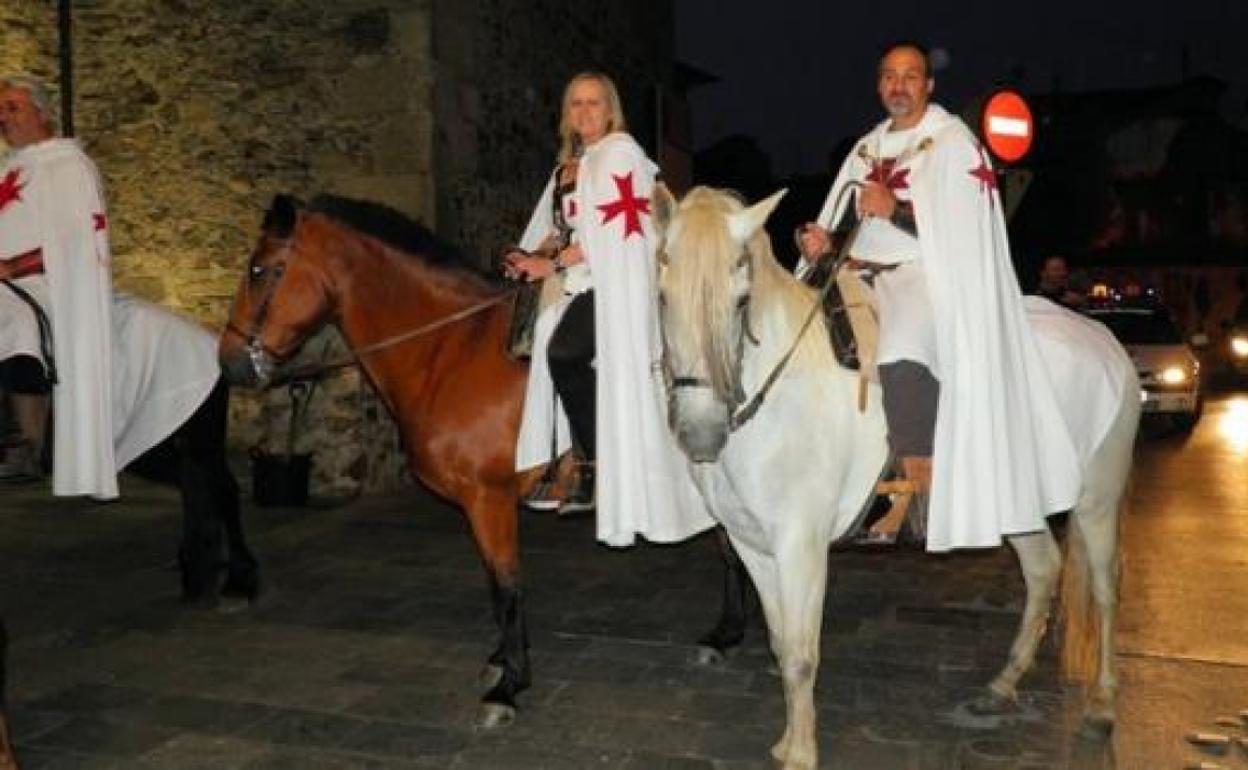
[
  {"x": 571, "y": 359},
  {"x": 910, "y": 398}
]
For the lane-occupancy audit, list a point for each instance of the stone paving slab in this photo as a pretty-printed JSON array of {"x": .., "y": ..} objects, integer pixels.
[{"x": 365, "y": 649}]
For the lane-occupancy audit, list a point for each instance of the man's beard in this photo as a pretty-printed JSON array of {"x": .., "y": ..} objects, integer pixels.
[{"x": 898, "y": 106}]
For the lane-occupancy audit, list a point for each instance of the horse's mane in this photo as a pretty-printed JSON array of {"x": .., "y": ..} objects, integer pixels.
[
  {"x": 397, "y": 230},
  {"x": 701, "y": 277}
]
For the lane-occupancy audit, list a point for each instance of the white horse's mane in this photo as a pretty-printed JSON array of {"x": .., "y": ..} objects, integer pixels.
[{"x": 702, "y": 257}]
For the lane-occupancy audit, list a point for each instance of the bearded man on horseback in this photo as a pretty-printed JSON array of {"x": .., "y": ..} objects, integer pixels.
[{"x": 962, "y": 378}]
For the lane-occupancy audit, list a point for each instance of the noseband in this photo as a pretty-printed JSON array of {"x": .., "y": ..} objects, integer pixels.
[{"x": 263, "y": 361}]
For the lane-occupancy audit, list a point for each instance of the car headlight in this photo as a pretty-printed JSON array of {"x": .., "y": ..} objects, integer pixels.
[
  {"x": 1173, "y": 375},
  {"x": 1239, "y": 347}
]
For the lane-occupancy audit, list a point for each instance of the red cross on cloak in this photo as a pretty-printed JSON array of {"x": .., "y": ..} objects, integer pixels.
[
  {"x": 99, "y": 221},
  {"x": 11, "y": 188},
  {"x": 984, "y": 173},
  {"x": 627, "y": 204},
  {"x": 884, "y": 172}
]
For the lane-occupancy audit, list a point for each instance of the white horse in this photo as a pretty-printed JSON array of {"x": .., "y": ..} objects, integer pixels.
[{"x": 794, "y": 477}]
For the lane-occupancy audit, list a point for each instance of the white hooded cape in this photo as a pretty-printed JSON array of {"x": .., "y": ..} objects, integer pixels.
[
  {"x": 1004, "y": 457},
  {"x": 129, "y": 372},
  {"x": 644, "y": 486}
]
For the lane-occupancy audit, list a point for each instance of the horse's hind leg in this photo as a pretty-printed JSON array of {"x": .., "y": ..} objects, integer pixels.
[
  {"x": 729, "y": 631},
  {"x": 1094, "y": 536},
  {"x": 1041, "y": 562},
  {"x": 495, "y": 529},
  {"x": 8, "y": 761}
]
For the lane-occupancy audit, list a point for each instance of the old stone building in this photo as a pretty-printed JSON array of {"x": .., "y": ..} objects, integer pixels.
[{"x": 198, "y": 113}]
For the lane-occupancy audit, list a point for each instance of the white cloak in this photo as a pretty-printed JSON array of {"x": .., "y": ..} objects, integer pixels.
[
  {"x": 1004, "y": 457},
  {"x": 644, "y": 485},
  {"x": 129, "y": 373}
]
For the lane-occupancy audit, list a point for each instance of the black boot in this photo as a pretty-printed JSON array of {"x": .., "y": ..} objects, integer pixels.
[{"x": 583, "y": 496}]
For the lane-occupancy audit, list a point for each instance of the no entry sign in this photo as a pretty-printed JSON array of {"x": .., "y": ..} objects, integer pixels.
[{"x": 1007, "y": 126}]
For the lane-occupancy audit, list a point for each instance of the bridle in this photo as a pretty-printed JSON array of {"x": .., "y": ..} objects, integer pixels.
[
  {"x": 741, "y": 411},
  {"x": 265, "y": 361}
]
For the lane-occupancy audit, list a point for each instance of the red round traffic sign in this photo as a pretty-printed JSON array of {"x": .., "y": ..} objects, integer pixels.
[{"x": 1007, "y": 126}]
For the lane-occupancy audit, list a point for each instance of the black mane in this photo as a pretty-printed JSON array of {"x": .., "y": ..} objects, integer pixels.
[{"x": 397, "y": 230}]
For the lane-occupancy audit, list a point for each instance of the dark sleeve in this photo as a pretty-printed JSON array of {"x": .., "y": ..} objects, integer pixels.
[{"x": 903, "y": 218}]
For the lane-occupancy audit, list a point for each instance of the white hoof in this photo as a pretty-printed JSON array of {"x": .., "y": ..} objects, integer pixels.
[
  {"x": 492, "y": 716},
  {"x": 708, "y": 657}
]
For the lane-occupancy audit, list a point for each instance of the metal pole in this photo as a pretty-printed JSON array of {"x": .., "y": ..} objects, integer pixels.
[{"x": 64, "y": 13}]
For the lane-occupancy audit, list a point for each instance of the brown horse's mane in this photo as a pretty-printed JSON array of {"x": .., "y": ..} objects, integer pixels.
[{"x": 399, "y": 231}]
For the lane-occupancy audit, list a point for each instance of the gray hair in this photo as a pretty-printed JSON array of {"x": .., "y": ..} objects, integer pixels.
[{"x": 39, "y": 94}]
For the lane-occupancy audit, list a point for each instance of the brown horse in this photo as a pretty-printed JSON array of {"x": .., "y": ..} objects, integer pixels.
[{"x": 430, "y": 334}]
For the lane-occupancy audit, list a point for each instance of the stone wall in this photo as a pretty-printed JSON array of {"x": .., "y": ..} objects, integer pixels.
[
  {"x": 197, "y": 113},
  {"x": 502, "y": 67}
]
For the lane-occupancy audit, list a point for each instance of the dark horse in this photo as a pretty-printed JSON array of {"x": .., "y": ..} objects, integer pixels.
[
  {"x": 435, "y": 333},
  {"x": 193, "y": 458},
  {"x": 7, "y": 760}
]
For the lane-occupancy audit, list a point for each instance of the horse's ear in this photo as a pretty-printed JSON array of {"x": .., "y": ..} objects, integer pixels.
[
  {"x": 663, "y": 206},
  {"x": 280, "y": 219},
  {"x": 745, "y": 223}
]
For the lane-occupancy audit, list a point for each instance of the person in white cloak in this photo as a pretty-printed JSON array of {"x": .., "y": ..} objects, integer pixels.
[
  {"x": 594, "y": 377},
  {"x": 127, "y": 374},
  {"x": 971, "y": 411}
]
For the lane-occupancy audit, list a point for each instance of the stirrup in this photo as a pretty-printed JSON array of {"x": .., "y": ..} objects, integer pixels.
[
  {"x": 885, "y": 530},
  {"x": 544, "y": 496},
  {"x": 584, "y": 494}
]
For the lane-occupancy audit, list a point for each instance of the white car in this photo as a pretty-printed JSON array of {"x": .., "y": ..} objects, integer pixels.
[{"x": 1169, "y": 370}]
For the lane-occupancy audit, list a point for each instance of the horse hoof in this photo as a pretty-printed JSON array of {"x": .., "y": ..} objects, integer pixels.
[
  {"x": 992, "y": 704},
  {"x": 1096, "y": 727},
  {"x": 232, "y": 605},
  {"x": 492, "y": 716},
  {"x": 490, "y": 676},
  {"x": 709, "y": 657}
]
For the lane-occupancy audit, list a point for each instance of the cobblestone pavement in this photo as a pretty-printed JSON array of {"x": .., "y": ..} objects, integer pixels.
[{"x": 365, "y": 649}]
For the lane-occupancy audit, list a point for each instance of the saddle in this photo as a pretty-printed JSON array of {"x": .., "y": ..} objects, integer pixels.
[
  {"x": 531, "y": 299},
  {"x": 853, "y": 331}
]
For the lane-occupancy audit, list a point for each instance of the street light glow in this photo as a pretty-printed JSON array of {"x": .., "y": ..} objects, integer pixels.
[{"x": 1233, "y": 425}]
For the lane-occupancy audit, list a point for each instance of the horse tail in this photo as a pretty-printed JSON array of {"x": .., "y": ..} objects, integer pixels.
[
  {"x": 1079, "y": 615},
  {"x": 1080, "y": 629}
]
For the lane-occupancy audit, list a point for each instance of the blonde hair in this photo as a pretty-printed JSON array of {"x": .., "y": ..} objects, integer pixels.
[{"x": 569, "y": 142}]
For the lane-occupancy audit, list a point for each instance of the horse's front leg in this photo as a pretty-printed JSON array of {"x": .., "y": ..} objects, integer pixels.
[
  {"x": 495, "y": 529},
  {"x": 8, "y": 760},
  {"x": 791, "y": 587},
  {"x": 729, "y": 631},
  {"x": 1041, "y": 562}
]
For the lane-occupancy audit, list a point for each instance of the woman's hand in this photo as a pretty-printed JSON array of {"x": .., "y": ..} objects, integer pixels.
[
  {"x": 519, "y": 265},
  {"x": 572, "y": 255}
]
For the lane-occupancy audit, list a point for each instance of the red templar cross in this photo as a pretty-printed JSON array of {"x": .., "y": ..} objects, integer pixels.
[
  {"x": 984, "y": 173},
  {"x": 627, "y": 204},
  {"x": 11, "y": 188},
  {"x": 885, "y": 172}
]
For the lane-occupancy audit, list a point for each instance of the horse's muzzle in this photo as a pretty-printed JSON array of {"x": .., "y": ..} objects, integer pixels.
[{"x": 248, "y": 367}]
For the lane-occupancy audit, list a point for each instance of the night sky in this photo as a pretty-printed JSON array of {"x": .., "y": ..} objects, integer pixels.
[{"x": 800, "y": 74}]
